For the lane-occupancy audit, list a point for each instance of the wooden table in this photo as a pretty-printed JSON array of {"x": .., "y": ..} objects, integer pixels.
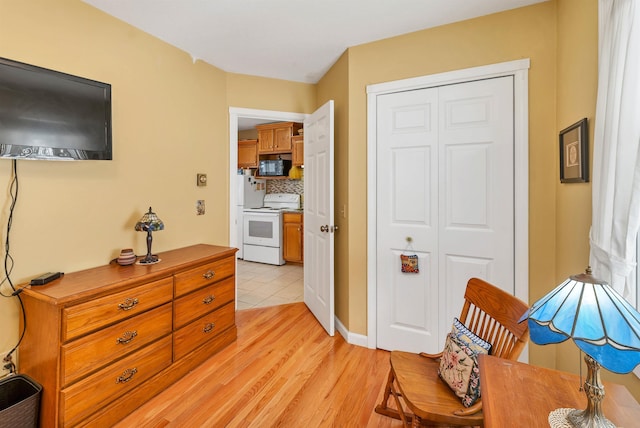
[{"x": 521, "y": 395}]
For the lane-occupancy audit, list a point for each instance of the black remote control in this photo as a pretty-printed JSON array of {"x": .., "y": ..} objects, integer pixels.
[{"x": 45, "y": 278}]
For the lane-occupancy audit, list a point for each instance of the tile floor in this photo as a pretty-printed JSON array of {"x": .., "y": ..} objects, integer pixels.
[{"x": 262, "y": 285}]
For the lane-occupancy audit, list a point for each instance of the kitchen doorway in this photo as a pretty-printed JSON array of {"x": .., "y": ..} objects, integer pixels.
[
  {"x": 242, "y": 118},
  {"x": 258, "y": 284}
]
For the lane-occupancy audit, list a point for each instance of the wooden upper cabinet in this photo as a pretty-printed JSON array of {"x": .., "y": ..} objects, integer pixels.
[
  {"x": 276, "y": 137},
  {"x": 297, "y": 150},
  {"x": 265, "y": 141},
  {"x": 248, "y": 154}
]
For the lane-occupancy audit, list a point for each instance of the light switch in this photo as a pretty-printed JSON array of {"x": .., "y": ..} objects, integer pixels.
[{"x": 201, "y": 179}]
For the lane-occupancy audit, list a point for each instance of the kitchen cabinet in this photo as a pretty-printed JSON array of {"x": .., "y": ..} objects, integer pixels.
[
  {"x": 248, "y": 154},
  {"x": 276, "y": 137},
  {"x": 103, "y": 341},
  {"x": 297, "y": 150},
  {"x": 293, "y": 232}
]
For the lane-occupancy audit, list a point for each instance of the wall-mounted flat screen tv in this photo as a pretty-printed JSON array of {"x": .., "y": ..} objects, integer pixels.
[{"x": 46, "y": 114}]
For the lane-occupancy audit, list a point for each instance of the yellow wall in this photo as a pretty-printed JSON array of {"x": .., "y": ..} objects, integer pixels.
[
  {"x": 170, "y": 121},
  {"x": 577, "y": 72},
  {"x": 270, "y": 94},
  {"x": 168, "y": 116},
  {"x": 531, "y": 34},
  {"x": 576, "y": 98}
]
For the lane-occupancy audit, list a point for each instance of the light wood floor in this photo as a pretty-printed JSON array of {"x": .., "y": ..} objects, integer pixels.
[{"x": 283, "y": 371}]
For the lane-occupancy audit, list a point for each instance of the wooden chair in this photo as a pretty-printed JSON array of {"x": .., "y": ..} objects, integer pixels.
[{"x": 413, "y": 381}]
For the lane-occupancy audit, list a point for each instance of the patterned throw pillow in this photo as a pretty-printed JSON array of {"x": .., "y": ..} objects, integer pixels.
[{"x": 459, "y": 362}]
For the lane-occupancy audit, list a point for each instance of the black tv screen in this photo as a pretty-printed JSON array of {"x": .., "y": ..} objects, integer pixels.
[{"x": 46, "y": 114}]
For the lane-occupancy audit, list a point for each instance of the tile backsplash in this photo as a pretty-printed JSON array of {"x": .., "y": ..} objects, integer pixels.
[{"x": 285, "y": 186}]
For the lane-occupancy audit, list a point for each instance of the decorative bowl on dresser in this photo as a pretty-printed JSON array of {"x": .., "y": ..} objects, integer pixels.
[{"x": 103, "y": 341}]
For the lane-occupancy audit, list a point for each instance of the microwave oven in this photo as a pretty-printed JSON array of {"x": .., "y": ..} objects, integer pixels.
[{"x": 274, "y": 167}]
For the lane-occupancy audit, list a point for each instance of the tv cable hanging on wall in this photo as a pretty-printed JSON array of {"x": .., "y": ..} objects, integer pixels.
[{"x": 8, "y": 265}]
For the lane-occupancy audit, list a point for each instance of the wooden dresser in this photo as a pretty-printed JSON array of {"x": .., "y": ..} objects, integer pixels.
[{"x": 103, "y": 341}]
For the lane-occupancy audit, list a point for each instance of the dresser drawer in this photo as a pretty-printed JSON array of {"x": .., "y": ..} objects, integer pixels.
[
  {"x": 203, "y": 329},
  {"x": 95, "y": 350},
  {"x": 201, "y": 301},
  {"x": 88, "y": 316},
  {"x": 98, "y": 390},
  {"x": 202, "y": 275}
]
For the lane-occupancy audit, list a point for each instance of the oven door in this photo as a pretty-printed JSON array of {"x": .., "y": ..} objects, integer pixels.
[{"x": 262, "y": 229}]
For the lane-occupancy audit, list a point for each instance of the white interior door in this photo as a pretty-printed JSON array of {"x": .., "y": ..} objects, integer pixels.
[
  {"x": 318, "y": 216},
  {"x": 445, "y": 183}
]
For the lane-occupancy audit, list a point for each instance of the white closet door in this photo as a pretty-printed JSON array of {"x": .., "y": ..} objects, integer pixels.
[{"x": 445, "y": 182}]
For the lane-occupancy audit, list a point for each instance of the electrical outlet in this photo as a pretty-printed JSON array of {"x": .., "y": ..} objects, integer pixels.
[
  {"x": 200, "y": 207},
  {"x": 4, "y": 372}
]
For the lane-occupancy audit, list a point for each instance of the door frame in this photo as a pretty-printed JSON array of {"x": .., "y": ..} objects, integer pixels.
[
  {"x": 519, "y": 69},
  {"x": 236, "y": 113}
]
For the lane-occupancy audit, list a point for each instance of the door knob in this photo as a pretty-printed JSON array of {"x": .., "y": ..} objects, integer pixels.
[
  {"x": 324, "y": 228},
  {"x": 334, "y": 229}
]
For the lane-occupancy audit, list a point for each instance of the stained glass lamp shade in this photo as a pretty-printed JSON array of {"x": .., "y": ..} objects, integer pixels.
[{"x": 149, "y": 223}]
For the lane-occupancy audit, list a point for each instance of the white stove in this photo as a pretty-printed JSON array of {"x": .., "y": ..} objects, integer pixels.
[
  {"x": 263, "y": 228},
  {"x": 278, "y": 202}
]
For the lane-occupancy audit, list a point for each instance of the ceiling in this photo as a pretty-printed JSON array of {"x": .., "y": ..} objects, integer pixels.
[{"x": 296, "y": 40}]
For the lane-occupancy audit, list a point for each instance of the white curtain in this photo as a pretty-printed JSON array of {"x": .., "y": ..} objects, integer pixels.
[{"x": 616, "y": 157}]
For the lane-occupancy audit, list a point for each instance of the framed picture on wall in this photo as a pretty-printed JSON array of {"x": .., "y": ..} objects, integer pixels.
[{"x": 574, "y": 153}]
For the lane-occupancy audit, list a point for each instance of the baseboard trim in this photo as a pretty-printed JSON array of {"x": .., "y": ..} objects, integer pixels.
[{"x": 352, "y": 338}]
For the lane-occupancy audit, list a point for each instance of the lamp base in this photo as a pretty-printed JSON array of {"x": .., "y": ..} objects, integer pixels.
[
  {"x": 573, "y": 418},
  {"x": 582, "y": 419},
  {"x": 149, "y": 259},
  {"x": 592, "y": 416}
]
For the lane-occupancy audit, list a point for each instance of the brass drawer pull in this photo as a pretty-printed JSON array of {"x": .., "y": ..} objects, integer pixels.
[
  {"x": 208, "y": 299},
  {"x": 208, "y": 274},
  {"x": 127, "y": 375},
  {"x": 127, "y": 337},
  {"x": 208, "y": 327},
  {"x": 128, "y": 304}
]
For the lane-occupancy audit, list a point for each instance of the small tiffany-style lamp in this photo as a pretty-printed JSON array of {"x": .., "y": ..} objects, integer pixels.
[
  {"x": 601, "y": 323},
  {"x": 149, "y": 223}
]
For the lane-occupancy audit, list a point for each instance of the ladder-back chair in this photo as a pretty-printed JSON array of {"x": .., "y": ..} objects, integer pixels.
[{"x": 420, "y": 396}]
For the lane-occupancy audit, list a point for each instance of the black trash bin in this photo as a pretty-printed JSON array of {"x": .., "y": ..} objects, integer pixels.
[{"x": 19, "y": 402}]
